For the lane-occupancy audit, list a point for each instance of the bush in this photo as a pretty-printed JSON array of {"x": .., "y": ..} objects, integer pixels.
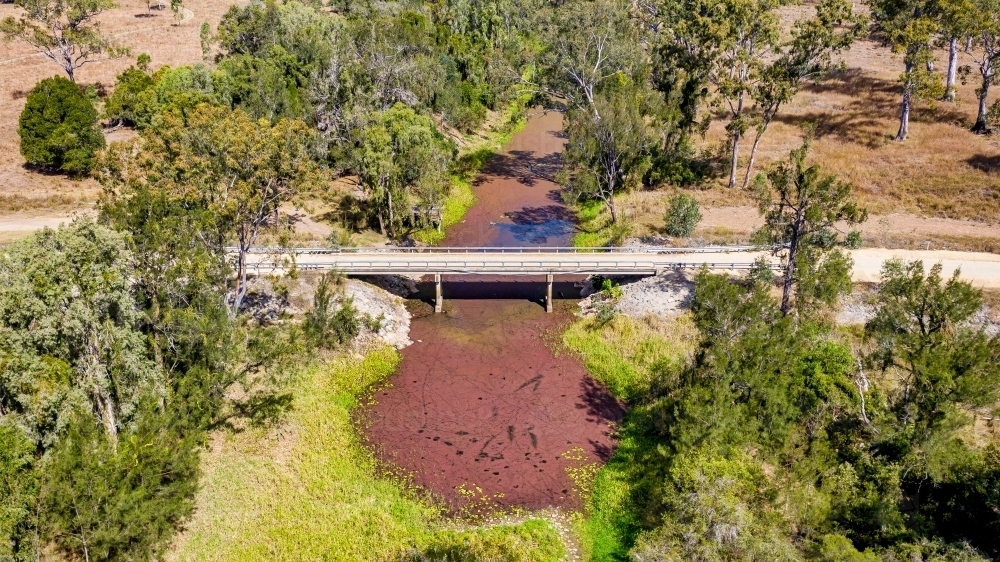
[
  {"x": 682, "y": 215},
  {"x": 328, "y": 327},
  {"x": 58, "y": 127}
]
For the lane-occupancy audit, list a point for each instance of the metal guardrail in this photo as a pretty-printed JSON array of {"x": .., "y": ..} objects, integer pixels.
[
  {"x": 503, "y": 268},
  {"x": 506, "y": 250}
]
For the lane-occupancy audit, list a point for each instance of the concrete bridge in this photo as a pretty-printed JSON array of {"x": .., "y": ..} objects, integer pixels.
[
  {"x": 979, "y": 268},
  {"x": 440, "y": 261}
]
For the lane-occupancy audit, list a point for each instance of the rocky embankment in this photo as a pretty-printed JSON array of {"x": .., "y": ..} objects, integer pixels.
[{"x": 270, "y": 300}]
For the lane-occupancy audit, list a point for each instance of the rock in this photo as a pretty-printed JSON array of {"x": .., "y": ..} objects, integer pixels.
[
  {"x": 271, "y": 299},
  {"x": 399, "y": 285},
  {"x": 664, "y": 295},
  {"x": 394, "y": 320}
]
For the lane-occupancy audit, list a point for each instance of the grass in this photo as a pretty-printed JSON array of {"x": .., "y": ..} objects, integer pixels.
[
  {"x": 626, "y": 355},
  {"x": 309, "y": 490},
  {"x": 16, "y": 203},
  {"x": 595, "y": 227}
]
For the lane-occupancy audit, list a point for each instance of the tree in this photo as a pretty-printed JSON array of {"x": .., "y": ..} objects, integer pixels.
[
  {"x": 402, "y": 162},
  {"x": 682, "y": 215},
  {"x": 608, "y": 149},
  {"x": 18, "y": 491},
  {"x": 907, "y": 26},
  {"x": 65, "y": 31},
  {"x": 808, "y": 55},
  {"x": 58, "y": 127},
  {"x": 220, "y": 161},
  {"x": 956, "y": 18},
  {"x": 985, "y": 30},
  {"x": 69, "y": 332},
  {"x": 127, "y": 103},
  {"x": 102, "y": 500},
  {"x": 801, "y": 207},
  {"x": 936, "y": 363},
  {"x": 589, "y": 42},
  {"x": 736, "y": 47}
]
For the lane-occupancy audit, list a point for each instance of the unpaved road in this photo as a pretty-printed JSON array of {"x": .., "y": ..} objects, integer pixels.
[
  {"x": 981, "y": 268},
  {"x": 20, "y": 225}
]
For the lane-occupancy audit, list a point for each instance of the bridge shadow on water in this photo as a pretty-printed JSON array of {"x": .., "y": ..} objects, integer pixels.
[{"x": 489, "y": 287}]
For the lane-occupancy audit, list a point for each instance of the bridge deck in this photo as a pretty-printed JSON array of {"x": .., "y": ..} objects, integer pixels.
[{"x": 541, "y": 261}]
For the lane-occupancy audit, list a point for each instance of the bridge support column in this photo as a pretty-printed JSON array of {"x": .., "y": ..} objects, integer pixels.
[
  {"x": 438, "y": 300},
  {"x": 548, "y": 293}
]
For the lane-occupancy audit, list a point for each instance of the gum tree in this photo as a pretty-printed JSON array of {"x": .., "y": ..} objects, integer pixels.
[
  {"x": 985, "y": 28},
  {"x": 801, "y": 207},
  {"x": 65, "y": 31},
  {"x": 908, "y": 27}
]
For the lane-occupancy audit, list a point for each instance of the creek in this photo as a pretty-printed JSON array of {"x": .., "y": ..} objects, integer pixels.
[{"x": 483, "y": 408}]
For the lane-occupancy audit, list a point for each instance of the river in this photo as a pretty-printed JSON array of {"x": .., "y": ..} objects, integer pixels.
[{"x": 481, "y": 409}]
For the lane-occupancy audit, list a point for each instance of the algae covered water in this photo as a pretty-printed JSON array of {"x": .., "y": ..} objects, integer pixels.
[{"x": 481, "y": 407}]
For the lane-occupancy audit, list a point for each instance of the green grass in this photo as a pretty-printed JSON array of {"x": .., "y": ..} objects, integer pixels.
[
  {"x": 309, "y": 490},
  {"x": 596, "y": 228},
  {"x": 626, "y": 355}
]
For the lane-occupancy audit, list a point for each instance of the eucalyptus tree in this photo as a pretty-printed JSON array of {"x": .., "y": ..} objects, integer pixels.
[
  {"x": 956, "y": 22},
  {"x": 235, "y": 170},
  {"x": 801, "y": 209},
  {"x": 588, "y": 42},
  {"x": 64, "y": 31},
  {"x": 984, "y": 18},
  {"x": 908, "y": 28},
  {"x": 402, "y": 161},
  {"x": 609, "y": 146},
  {"x": 808, "y": 55},
  {"x": 737, "y": 48}
]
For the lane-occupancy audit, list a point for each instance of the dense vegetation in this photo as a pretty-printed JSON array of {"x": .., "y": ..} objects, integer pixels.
[
  {"x": 768, "y": 436},
  {"x": 125, "y": 342},
  {"x": 58, "y": 128}
]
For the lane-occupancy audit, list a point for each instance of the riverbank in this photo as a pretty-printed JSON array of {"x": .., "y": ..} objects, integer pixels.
[{"x": 307, "y": 489}]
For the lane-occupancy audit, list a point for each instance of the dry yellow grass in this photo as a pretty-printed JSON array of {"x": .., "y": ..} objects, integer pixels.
[
  {"x": 942, "y": 170},
  {"x": 21, "y": 69}
]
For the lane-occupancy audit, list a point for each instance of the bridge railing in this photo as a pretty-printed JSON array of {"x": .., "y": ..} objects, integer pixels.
[
  {"x": 460, "y": 267},
  {"x": 509, "y": 250}
]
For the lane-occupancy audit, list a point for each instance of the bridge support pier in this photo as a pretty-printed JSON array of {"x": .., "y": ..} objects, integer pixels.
[
  {"x": 438, "y": 300},
  {"x": 548, "y": 293}
]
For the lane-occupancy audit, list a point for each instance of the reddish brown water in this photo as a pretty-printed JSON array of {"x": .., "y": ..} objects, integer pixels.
[{"x": 480, "y": 403}]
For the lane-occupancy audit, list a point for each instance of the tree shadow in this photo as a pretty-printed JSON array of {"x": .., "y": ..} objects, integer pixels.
[
  {"x": 862, "y": 119},
  {"x": 522, "y": 165},
  {"x": 535, "y": 225},
  {"x": 985, "y": 163},
  {"x": 599, "y": 402}
]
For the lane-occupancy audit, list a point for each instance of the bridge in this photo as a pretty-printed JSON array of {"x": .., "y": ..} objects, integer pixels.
[{"x": 438, "y": 261}]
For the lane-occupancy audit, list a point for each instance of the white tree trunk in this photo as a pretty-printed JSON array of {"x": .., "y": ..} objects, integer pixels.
[
  {"x": 949, "y": 87},
  {"x": 733, "y": 161},
  {"x": 980, "y": 125}
]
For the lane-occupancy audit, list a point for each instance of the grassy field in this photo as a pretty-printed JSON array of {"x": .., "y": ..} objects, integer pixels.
[
  {"x": 309, "y": 490},
  {"x": 627, "y": 356}
]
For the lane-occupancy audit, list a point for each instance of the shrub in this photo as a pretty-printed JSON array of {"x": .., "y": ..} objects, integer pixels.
[
  {"x": 58, "y": 127},
  {"x": 682, "y": 215},
  {"x": 327, "y": 326}
]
